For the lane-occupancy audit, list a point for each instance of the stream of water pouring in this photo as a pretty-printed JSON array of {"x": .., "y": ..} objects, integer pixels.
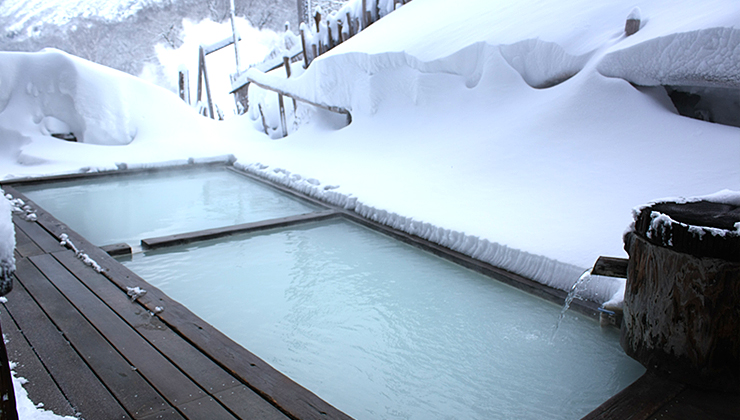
[{"x": 577, "y": 287}]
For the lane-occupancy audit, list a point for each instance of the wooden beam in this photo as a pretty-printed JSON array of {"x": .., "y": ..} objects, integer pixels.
[
  {"x": 331, "y": 108},
  {"x": 183, "y": 238},
  {"x": 611, "y": 267}
]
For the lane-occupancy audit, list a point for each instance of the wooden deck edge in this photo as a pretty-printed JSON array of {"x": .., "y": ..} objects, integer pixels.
[
  {"x": 183, "y": 238},
  {"x": 639, "y": 401},
  {"x": 289, "y": 397}
]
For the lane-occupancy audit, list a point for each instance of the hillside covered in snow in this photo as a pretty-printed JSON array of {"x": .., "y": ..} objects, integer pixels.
[{"x": 519, "y": 132}]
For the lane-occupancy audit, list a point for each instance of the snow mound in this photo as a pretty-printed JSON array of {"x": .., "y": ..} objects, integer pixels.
[
  {"x": 543, "y": 64},
  {"x": 707, "y": 57},
  {"x": 51, "y": 93}
]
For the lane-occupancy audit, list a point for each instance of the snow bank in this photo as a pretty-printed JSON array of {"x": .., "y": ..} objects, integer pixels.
[
  {"x": 543, "y": 64},
  {"x": 53, "y": 93},
  {"x": 707, "y": 57},
  {"x": 46, "y": 93},
  {"x": 450, "y": 142}
]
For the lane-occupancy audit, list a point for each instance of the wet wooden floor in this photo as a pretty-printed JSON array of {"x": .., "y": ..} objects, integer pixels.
[{"x": 88, "y": 349}]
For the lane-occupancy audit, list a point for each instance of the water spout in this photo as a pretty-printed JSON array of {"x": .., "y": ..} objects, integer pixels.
[{"x": 578, "y": 286}]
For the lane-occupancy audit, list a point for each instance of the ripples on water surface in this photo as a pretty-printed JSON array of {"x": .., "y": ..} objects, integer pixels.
[{"x": 382, "y": 330}]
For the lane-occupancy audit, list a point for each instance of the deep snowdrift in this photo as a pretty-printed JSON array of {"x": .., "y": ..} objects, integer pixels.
[{"x": 489, "y": 128}]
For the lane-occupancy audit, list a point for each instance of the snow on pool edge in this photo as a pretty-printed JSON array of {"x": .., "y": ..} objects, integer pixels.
[{"x": 539, "y": 268}]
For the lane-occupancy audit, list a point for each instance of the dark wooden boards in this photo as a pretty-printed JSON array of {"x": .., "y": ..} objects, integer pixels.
[
  {"x": 40, "y": 386},
  {"x": 212, "y": 379},
  {"x": 227, "y": 375},
  {"x": 652, "y": 397},
  {"x": 79, "y": 384},
  {"x": 639, "y": 401},
  {"x": 183, "y": 238},
  {"x": 119, "y": 375}
]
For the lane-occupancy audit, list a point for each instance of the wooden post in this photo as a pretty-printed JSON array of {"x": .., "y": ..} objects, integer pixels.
[
  {"x": 202, "y": 72},
  {"x": 282, "y": 115},
  {"x": 264, "y": 122},
  {"x": 331, "y": 37},
  {"x": 364, "y": 15},
  {"x": 286, "y": 63},
  {"x": 349, "y": 26},
  {"x": 340, "y": 28},
  {"x": 184, "y": 85},
  {"x": 632, "y": 25},
  {"x": 317, "y": 19},
  {"x": 306, "y": 58}
]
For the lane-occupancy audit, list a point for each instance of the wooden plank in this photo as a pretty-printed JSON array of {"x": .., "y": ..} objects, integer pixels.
[
  {"x": 41, "y": 387},
  {"x": 166, "y": 378},
  {"x": 117, "y": 249},
  {"x": 125, "y": 383},
  {"x": 37, "y": 234},
  {"x": 75, "y": 379},
  {"x": 610, "y": 266},
  {"x": 24, "y": 245},
  {"x": 246, "y": 404},
  {"x": 182, "y": 238},
  {"x": 204, "y": 371},
  {"x": 639, "y": 401},
  {"x": 695, "y": 403}
]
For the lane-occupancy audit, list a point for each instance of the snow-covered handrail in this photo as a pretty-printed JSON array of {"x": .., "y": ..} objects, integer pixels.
[{"x": 263, "y": 80}]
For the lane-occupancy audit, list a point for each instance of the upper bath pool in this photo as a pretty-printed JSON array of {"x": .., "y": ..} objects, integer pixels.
[{"x": 130, "y": 207}]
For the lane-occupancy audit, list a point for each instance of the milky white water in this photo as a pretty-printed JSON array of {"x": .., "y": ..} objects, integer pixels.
[
  {"x": 383, "y": 330},
  {"x": 129, "y": 208}
]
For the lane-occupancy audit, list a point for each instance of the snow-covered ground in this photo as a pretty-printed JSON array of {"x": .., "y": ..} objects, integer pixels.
[{"x": 507, "y": 130}]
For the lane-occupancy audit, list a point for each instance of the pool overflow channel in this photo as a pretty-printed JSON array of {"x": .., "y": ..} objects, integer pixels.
[{"x": 322, "y": 211}]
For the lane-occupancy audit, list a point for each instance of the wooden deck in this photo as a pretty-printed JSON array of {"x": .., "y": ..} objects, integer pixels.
[
  {"x": 654, "y": 398},
  {"x": 87, "y": 348}
]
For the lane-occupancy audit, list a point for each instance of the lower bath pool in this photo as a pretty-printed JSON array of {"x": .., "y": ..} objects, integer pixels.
[{"x": 383, "y": 330}]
